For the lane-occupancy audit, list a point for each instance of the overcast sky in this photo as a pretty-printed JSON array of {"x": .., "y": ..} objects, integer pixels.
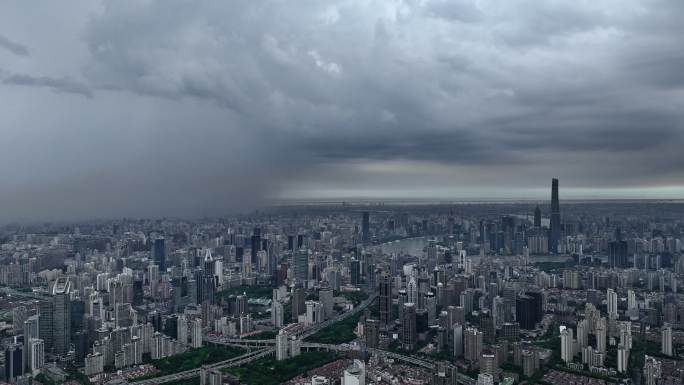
[{"x": 179, "y": 107}]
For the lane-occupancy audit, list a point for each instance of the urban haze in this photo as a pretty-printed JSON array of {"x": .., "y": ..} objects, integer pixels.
[{"x": 342, "y": 192}]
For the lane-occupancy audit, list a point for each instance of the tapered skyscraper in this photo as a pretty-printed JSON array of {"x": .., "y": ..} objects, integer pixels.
[{"x": 554, "y": 232}]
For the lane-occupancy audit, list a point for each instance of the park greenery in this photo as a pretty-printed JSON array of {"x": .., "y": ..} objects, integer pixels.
[
  {"x": 268, "y": 371},
  {"x": 337, "y": 333},
  {"x": 196, "y": 358},
  {"x": 192, "y": 359},
  {"x": 356, "y": 297},
  {"x": 44, "y": 379},
  {"x": 250, "y": 291},
  {"x": 642, "y": 348}
]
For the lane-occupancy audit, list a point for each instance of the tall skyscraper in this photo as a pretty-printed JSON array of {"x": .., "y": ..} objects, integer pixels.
[
  {"x": 298, "y": 299},
  {"x": 31, "y": 331},
  {"x": 611, "y": 299},
  {"x": 314, "y": 313},
  {"x": 355, "y": 272},
  {"x": 325, "y": 297},
  {"x": 473, "y": 344},
  {"x": 385, "y": 297},
  {"x": 529, "y": 362},
  {"x": 365, "y": 227},
  {"x": 277, "y": 314},
  {"x": 527, "y": 312},
  {"x": 567, "y": 345},
  {"x": 601, "y": 331},
  {"x": 182, "y": 330},
  {"x": 666, "y": 335},
  {"x": 554, "y": 232},
  {"x": 371, "y": 333},
  {"x": 617, "y": 254},
  {"x": 300, "y": 265},
  {"x": 487, "y": 327},
  {"x": 282, "y": 340},
  {"x": 457, "y": 332},
  {"x": 431, "y": 307},
  {"x": 196, "y": 333},
  {"x": 537, "y": 217},
  {"x": 55, "y": 318},
  {"x": 14, "y": 366},
  {"x": 652, "y": 370},
  {"x": 36, "y": 355},
  {"x": 582, "y": 334},
  {"x": 622, "y": 358},
  {"x": 412, "y": 290},
  {"x": 255, "y": 245},
  {"x": 408, "y": 326},
  {"x": 632, "y": 306},
  {"x": 159, "y": 253}
]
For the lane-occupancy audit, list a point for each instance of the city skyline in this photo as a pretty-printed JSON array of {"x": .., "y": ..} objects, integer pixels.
[
  {"x": 481, "y": 292},
  {"x": 219, "y": 107},
  {"x": 341, "y": 192}
]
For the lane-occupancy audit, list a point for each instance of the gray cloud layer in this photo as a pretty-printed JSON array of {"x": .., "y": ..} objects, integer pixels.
[
  {"x": 353, "y": 98},
  {"x": 55, "y": 84},
  {"x": 13, "y": 47}
]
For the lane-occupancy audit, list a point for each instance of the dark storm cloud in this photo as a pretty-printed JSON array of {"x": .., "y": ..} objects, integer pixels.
[
  {"x": 13, "y": 47},
  {"x": 338, "y": 95},
  {"x": 65, "y": 85},
  {"x": 355, "y": 82}
]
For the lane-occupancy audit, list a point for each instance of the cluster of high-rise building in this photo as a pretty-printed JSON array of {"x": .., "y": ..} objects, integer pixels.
[{"x": 487, "y": 286}]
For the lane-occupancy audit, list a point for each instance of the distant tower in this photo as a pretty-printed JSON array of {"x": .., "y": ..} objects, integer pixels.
[
  {"x": 159, "y": 253},
  {"x": 554, "y": 233},
  {"x": 537, "y": 217},
  {"x": 255, "y": 244},
  {"x": 365, "y": 227}
]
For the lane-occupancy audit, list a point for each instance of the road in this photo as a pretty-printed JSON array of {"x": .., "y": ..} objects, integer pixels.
[
  {"x": 265, "y": 347},
  {"x": 311, "y": 330},
  {"x": 24, "y": 294},
  {"x": 303, "y": 334},
  {"x": 236, "y": 361}
]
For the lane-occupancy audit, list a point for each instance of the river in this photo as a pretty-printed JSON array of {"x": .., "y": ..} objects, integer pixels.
[
  {"x": 411, "y": 246},
  {"x": 416, "y": 246}
]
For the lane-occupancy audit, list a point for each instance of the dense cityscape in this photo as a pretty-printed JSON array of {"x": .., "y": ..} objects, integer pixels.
[
  {"x": 470, "y": 293},
  {"x": 342, "y": 192}
]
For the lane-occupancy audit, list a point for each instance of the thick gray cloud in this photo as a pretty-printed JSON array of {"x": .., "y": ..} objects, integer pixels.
[
  {"x": 13, "y": 47},
  {"x": 356, "y": 98},
  {"x": 56, "y": 84}
]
